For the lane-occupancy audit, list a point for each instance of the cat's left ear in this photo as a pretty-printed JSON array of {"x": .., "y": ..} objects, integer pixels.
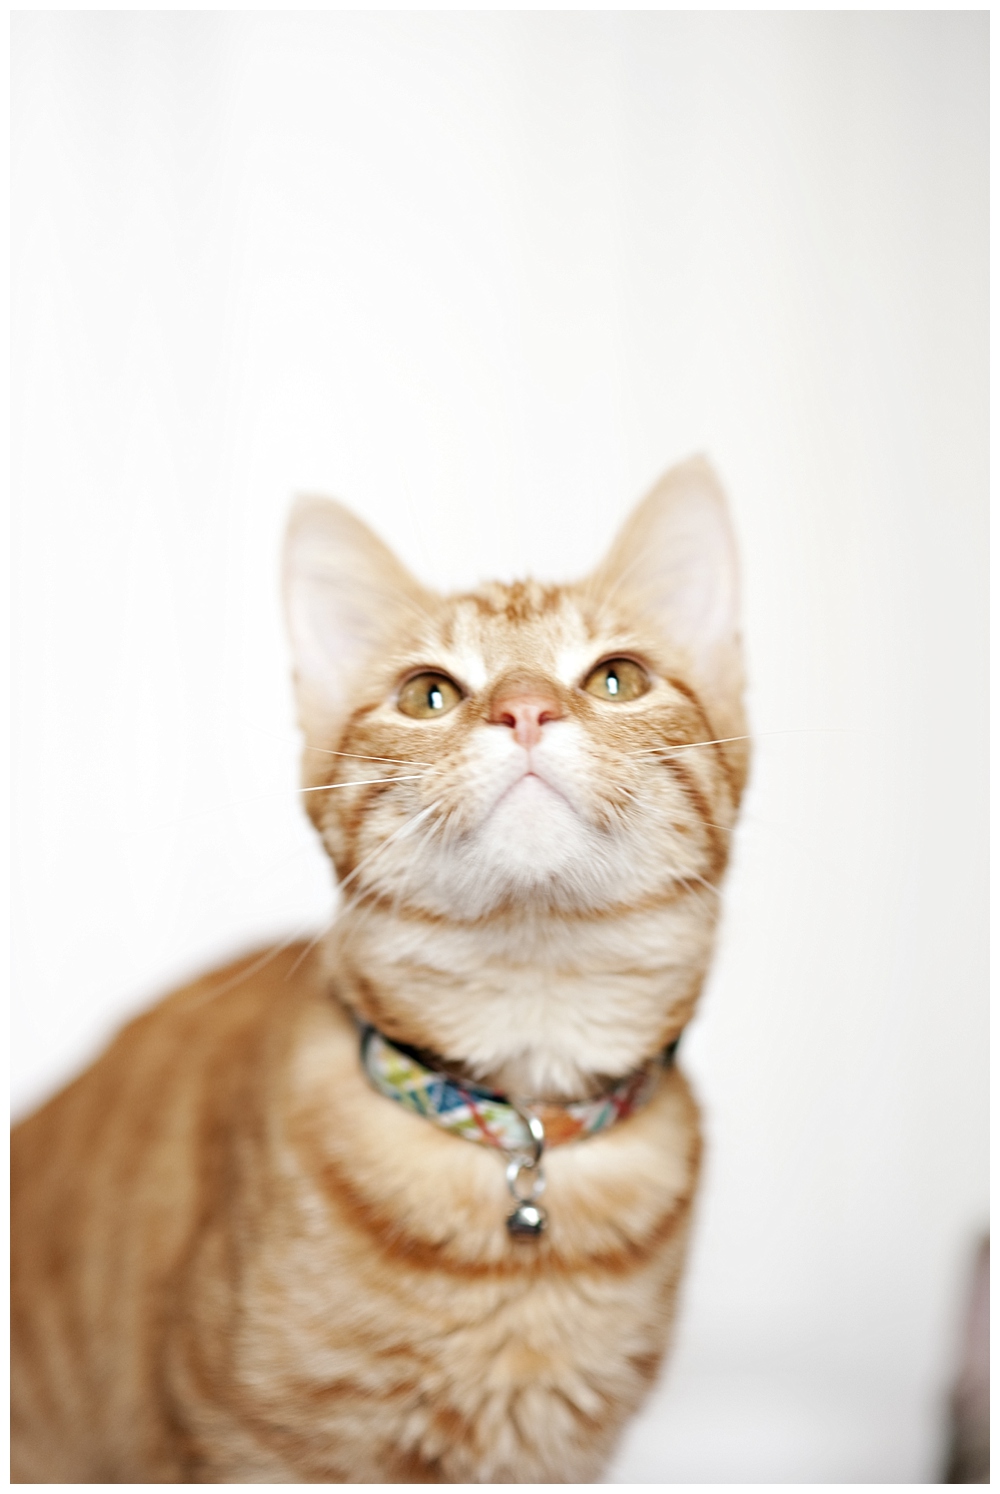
[
  {"x": 347, "y": 598},
  {"x": 674, "y": 565}
]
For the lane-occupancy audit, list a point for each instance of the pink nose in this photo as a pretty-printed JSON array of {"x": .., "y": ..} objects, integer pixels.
[{"x": 525, "y": 712}]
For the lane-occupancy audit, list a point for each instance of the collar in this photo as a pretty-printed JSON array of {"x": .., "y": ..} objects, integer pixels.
[{"x": 521, "y": 1127}]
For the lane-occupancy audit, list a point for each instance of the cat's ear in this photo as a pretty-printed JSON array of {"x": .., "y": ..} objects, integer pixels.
[
  {"x": 346, "y": 598},
  {"x": 674, "y": 563}
]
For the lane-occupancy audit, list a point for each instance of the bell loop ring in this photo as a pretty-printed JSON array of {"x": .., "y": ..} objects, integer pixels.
[
  {"x": 535, "y": 1130},
  {"x": 530, "y": 1163},
  {"x": 528, "y": 1220},
  {"x": 517, "y": 1168}
]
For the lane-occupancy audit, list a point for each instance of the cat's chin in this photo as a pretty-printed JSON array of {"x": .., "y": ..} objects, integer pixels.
[
  {"x": 530, "y": 796},
  {"x": 531, "y": 851},
  {"x": 532, "y": 832}
]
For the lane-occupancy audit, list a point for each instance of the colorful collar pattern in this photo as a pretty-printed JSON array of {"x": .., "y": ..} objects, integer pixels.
[{"x": 478, "y": 1114}]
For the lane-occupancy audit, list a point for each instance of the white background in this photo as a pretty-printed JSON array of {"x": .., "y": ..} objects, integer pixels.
[{"x": 484, "y": 277}]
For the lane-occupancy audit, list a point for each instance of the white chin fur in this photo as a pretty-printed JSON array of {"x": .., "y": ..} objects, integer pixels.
[
  {"x": 532, "y": 834},
  {"x": 527, "y": 839},
  {"x": 533, "y": 848}
]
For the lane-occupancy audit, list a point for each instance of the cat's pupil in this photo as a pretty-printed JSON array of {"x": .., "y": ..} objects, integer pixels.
[
  {"x": 612, "y": 682},
  {"x": 434, "y": 698}
]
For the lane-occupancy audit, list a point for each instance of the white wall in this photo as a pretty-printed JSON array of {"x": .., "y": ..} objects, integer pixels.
[{"x": 484, "y": 276}]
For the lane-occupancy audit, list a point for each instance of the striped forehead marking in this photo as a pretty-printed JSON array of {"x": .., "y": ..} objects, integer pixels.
[{"x": 485, "y": 638}]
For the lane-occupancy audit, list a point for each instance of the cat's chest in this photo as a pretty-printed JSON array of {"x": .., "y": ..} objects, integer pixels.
[
  {"x": 382, "y": 1325},
  {"x": 400, "y": 1369},
  {"x": 349, "y": 1163}
]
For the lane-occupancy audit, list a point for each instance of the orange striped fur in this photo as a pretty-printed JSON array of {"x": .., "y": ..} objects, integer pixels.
[{"x": 233, "y": 1260}]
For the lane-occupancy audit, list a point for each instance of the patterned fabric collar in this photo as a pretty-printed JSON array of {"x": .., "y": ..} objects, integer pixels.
[{"x": 478, "y": 1114}]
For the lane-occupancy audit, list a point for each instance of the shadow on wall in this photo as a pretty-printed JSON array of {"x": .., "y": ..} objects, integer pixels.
[{"x": 969, "y": 1452}]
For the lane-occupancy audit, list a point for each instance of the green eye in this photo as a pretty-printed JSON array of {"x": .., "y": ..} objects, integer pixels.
[
  {"x": 618, "y": 680},
  {"x": 428, "y": 695}
]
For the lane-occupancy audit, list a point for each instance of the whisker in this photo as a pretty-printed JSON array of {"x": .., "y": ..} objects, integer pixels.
[
  {"x": 346, "y": 907},
  {"x": 711, "y": 887},
  {"x": 660, "y": 752},
  {"x": 320, "y": 934},
  {"x": 424, "y": 837},
  {"x": 728, "y": 829},
  {"x": 686, "y": 883},
  {"x": 407, "y": 762},
  {"x": 756, "y": 736},
  {"x": 359, "y": 895},
  {"x": 197, "y": 814},
  {"x": 621, "y": 789},
  {"x": 257, "y": 966},
  {"x": 291, "y": 740},
  {"x": 396, "y": 834},
  {"x": 360, "y": 782}
]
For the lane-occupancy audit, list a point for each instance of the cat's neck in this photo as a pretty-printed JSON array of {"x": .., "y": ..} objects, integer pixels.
[{"x": 535, "y": 1004}]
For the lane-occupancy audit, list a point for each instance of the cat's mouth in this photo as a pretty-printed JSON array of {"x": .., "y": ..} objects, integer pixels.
[{"x": 530, "y": 785}]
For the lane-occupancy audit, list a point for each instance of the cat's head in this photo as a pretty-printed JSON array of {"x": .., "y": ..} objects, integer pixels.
[{"x": 523, "y": 746}]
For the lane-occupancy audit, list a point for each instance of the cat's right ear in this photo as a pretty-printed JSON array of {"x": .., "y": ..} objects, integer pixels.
[
  {"x": 346, "y": 597},
  {"x": 674, "y": 560}
]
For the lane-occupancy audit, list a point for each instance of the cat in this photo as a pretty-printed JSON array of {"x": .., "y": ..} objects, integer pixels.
[{"x": 253, "y": 1242}]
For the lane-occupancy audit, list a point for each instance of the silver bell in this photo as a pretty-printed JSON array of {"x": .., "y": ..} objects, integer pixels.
[
  {"x": 526, "y": 1181},
  {"x": 527, "y": 1221}
]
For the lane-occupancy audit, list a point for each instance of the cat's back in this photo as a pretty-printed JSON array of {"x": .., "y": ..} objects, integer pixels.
[{"x": 109, "y": 1183}]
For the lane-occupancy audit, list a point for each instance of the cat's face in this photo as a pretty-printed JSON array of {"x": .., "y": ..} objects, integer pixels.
[{"x": 521, "y": 746}]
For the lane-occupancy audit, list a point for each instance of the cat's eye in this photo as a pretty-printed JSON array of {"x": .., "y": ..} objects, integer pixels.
[
  {"x": 428, "y": 695},
  {"x": 618, "y": 680}
]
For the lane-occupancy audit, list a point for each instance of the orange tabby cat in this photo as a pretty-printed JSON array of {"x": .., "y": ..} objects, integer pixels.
[{"x": 236, "y": 1258}]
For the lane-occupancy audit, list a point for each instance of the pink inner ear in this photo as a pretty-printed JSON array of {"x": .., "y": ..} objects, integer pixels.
[
  {"x": 674, "y": 564},
  {"x": 346, "y": 598}
]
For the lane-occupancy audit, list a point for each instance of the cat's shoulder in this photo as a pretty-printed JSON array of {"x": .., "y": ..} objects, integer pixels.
[{"x": 209, "y": 1028}]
